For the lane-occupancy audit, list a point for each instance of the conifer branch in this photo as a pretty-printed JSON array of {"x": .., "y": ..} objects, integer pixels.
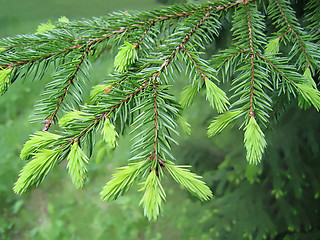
[
  {"x": 150, "y": 25},
  {"x": 252, "y": 54},
  {"x": 203, "y": 75},
  {"x": 89, "y": 46},
  {"x": 314, "y": 7},
  {"x": 88, "y": 43},
  {"x": 97, "y": 40},
  {"x": 236, "y": 54},
  {"x": 291, "y": 29},
  {"x": 25, "y": 41},
  {"x": 181, "y": 45},
  {"x": 155, "y": 45},
  {"x": 106, "y": 114},
  {"x": 51, "y": 55},
  {"x": 48, "y": 122},
  {"x": 276, "y": 68},
  {"x": 281, "y": 36},
  {"x": 155, "y": 155},
  {"x": 150, "y": 22},
  {"x": 154, "y": 76}
]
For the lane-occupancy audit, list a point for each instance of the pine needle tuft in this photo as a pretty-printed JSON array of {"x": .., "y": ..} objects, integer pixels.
[
  {"x": 153, "y": 196},
  {"x": 126, "y": 57},
  {"x": 4, "y": 79},
  {"x": 254, "y": 141},
  {"x": 216, "y": 96},
  {"x": 36, "y": 170}
]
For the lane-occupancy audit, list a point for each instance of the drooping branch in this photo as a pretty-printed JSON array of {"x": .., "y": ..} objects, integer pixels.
[
  {"x": 153, "y": 79},
  {"x": 89, "y": 46},
  {"x": 203, "y": 76},
  {"x": 156, "y": 115},
  {"x": 183, "y": 42},
  {"x": 252, "y": 55},
  {"x": 290, "y": 29},
  {"x": 276, "y": 68},
  {"x": 49, "y": 121},
  {"x": 149, "y": 22}
]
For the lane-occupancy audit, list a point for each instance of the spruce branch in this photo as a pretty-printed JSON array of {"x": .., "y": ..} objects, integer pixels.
[
  {"x": 313, "y": 6},
  {"x": 254, "y": 141},
  {"x": 252, "y": 63},
  {"x": 149, "y": 26},
  {"x": 4, "y": 79},
  {"x": 203, "y": 75},
  {"x": 252, "y": 79},
  {"x": 184, "y": 41},
  {"x": 106, "y": 114},
  {"x": 154, "y": 47},
  {"x": 290, "y": 25},
  {"x": 52, "y": 116},
  {"x": 89, "y": 47},
  {"x": 97, "y": 90},
  {"x": 302, "y": 85},
  {"x": 222, "y": 121},
  {"x": 153, "y": 196},
  {"x": 157, "y": 164},
  {"x": 236, "y": 54},
  {"x": 121, "y": 181},
  {"x": 228, "y": 60},
  {"x": 39, "y": 140},
  {"x": 31, "y": 40},
  {"x": 188, "y": 95},
  {"x": 216, "y": 96},
  {"x": 50, "y": 56},
  {"x": 156, "y": 120},
  {"x": 125, "y": 57},
  {"x": 109, "y": 133},
  {"x": 275, "y": 67}
]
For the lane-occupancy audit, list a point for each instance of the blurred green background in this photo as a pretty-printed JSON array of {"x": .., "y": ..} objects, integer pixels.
[{"x": 279, "y": 196}]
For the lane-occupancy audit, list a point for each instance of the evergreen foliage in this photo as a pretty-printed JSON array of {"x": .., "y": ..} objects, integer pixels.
[{"x": 264, "y": 69}]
